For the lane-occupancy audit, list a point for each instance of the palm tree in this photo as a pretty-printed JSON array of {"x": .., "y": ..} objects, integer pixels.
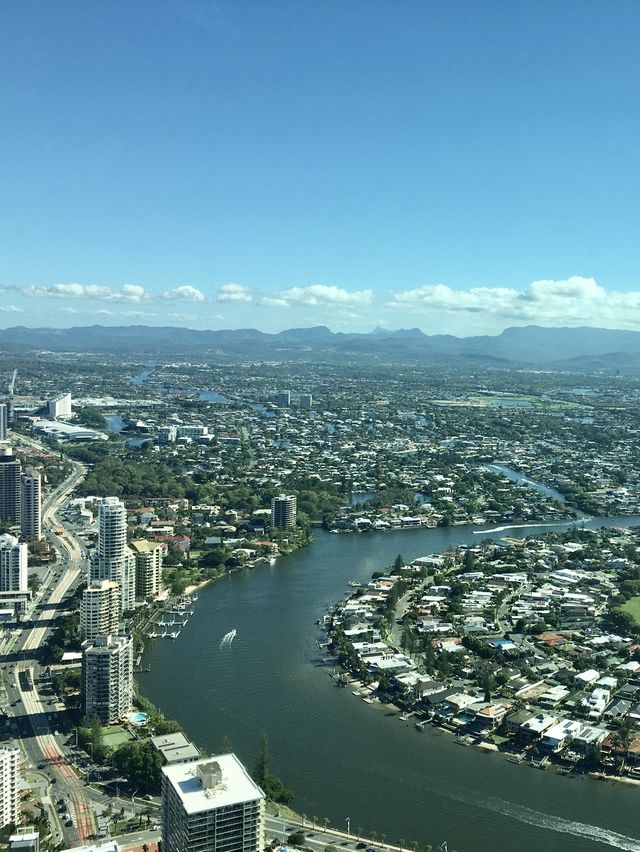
[
  {"x": 383, "y": 837},
  {"x": 622, "y": 739}
]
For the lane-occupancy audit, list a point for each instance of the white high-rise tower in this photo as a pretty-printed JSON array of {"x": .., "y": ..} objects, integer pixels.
[
  {"x": 31, "y": 505},
  {"x": 113, "y": 560},
  {"x": 13, "y": 564},
  {"x": 4, "y": 421}
]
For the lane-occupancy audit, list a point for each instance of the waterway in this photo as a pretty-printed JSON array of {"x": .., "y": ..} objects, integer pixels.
[
  {"x": 516, "y": 476},
  {"x": 142, "y": 377},
  {"x": 114, "y": 423},
  {"x": 345, "y": 758}
]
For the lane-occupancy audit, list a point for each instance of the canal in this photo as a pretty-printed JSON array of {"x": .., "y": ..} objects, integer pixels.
[{"x": 345, "y": 758}]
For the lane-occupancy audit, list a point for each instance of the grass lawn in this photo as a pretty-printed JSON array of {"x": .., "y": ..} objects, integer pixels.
[
  {"x": 632, "y": 606},
  {"x": 115, "y": 736}
]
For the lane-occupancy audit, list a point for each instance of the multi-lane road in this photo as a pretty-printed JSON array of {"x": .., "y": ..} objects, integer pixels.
[{"x": 44, "y": 746}]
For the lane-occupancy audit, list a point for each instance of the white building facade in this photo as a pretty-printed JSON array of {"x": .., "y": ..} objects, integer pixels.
[
  {"x": 9, "y": 795},
  {"x": 13, "y": 564},
  {"x": 211, "y": 805},
  {"x": 113, "y": 559},
  {"x": 107, "y": 678}
]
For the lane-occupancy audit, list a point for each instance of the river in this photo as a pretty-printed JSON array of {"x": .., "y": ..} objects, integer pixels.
[{"x": 345, "y": 758}]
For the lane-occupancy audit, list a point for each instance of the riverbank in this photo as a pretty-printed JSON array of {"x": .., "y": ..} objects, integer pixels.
[
  {"x": 344, "y": 760},
  {"x": 448, "y": 674}
]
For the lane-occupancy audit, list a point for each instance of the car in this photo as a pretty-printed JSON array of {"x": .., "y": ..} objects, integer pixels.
[
  {"x": 361, "y": 845},
  {"x": 148, "y": 797}
]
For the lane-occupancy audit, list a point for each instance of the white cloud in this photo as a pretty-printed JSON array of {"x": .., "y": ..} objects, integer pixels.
[
  {"x": 325, "y": 294},
  {"x": 96, "y": 292},
  {"x": 274, "y": 302},
  {"x": 11, "y": 309},
  {"x": 234, "y": 293},
  {"x": 571, "y": 301},
  {"x": 185, "y": 293}
]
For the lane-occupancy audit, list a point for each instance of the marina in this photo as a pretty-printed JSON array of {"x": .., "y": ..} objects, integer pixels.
[{"x": 173, "y": 620}]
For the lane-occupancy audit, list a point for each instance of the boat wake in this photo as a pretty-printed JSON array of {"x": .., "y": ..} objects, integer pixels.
[
  {"x": 567, "y": 826},
  {"x": 594, "y": 833},
  {"x": 519, "y": 527},
  {"x": 227, "y": 639}
]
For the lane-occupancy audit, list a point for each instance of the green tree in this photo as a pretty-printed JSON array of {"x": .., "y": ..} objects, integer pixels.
[
  {"x": 141, "y": 764},
  {"x": 261, "y": 771}
]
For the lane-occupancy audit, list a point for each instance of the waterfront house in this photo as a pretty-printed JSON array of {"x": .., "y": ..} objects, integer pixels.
[
  {"x": 535, "y": 726},
  {"x": 559, "y": 735}
]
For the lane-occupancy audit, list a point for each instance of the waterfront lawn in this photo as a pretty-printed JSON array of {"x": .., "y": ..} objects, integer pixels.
[
  {"x": 115, "y": 736},
  {"x": 632, "y": 606}
]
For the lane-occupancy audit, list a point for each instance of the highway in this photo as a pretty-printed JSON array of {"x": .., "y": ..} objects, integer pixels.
[{"x": 43, "y": 746}]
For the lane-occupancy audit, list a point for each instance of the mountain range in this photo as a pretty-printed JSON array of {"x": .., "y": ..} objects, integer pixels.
[{"x": 580, "y": 348}]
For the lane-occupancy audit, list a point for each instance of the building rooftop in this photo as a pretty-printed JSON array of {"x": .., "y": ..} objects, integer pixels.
[
  {"x": 230, "y": 783},
  {"x": 141, "y": 545},
  {"x": 175, "y": 748}
]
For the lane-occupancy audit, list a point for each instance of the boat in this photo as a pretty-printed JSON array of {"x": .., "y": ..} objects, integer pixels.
[{"x": 175, "y": 634}]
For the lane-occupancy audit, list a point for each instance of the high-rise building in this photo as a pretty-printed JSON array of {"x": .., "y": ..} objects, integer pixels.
[
  {"x": 305, "y": 400},
  {"x": 283, "y": 399},
  {"x": 167, "y": 434},
  {"x": 31, "y": 505},
  {"x": 211, "y": 805},
  {"x": 113, "y": 559},
  {"x": 4, "y": 421},
  {"x": 13, "y": 564},
  {"x": 192, "y": 432},
  {"x": 283, "y": 511},
  {"x": 148, "y": 556},
  {"x": 9, "y": 795},
  {"x": 100, "y": 610},
  {"x": 107, "y": 678},
  {"x": 10, "y": 470},
  {"x": 59, "y": 408}
]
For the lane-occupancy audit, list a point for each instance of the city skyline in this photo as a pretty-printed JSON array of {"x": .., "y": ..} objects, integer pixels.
[{"x": 223, "y": 165}]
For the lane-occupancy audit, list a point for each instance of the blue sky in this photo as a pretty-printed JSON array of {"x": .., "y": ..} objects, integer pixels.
[{"x": 457, "y": 166}]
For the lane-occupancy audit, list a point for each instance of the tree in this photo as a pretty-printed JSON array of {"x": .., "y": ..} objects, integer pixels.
[
  {"x": 141, "y": 764},
  {"x": 399, "y": 562},
  {"x": 622, "y": 738},
  {"x": 34, "y": 583},
  {"x": 296, "y": 838},
  {"x": 261, "y": 772},
  {"x": 227, "y": 745}
]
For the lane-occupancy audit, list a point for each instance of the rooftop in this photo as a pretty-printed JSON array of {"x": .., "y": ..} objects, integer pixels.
[{"x": 233, "y": 786}]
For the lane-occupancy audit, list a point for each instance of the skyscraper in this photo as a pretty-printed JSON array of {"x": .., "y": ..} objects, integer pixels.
[
  {"x": 4, "y": 421},
  {"x": 107, "y": 678},
  {"x": 31, "y": 505},
  {"x": 283, "y": 399},
  {"x": 211, "y": 805},
  {"x": 59, "y": 408},
  {"x": 148, "y": 556},
  {"x": 13, "y": 564},
  {"x": 100, "y": 610},
  {"x": 284, "y": 511},
  {"x": 10, "y": 470},
  {"x": 9, "y": 795},
  {"x": 113, "y": 559}
]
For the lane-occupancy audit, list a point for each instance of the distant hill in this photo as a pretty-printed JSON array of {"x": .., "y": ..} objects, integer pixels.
[{"x": 533, "y": 346}]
